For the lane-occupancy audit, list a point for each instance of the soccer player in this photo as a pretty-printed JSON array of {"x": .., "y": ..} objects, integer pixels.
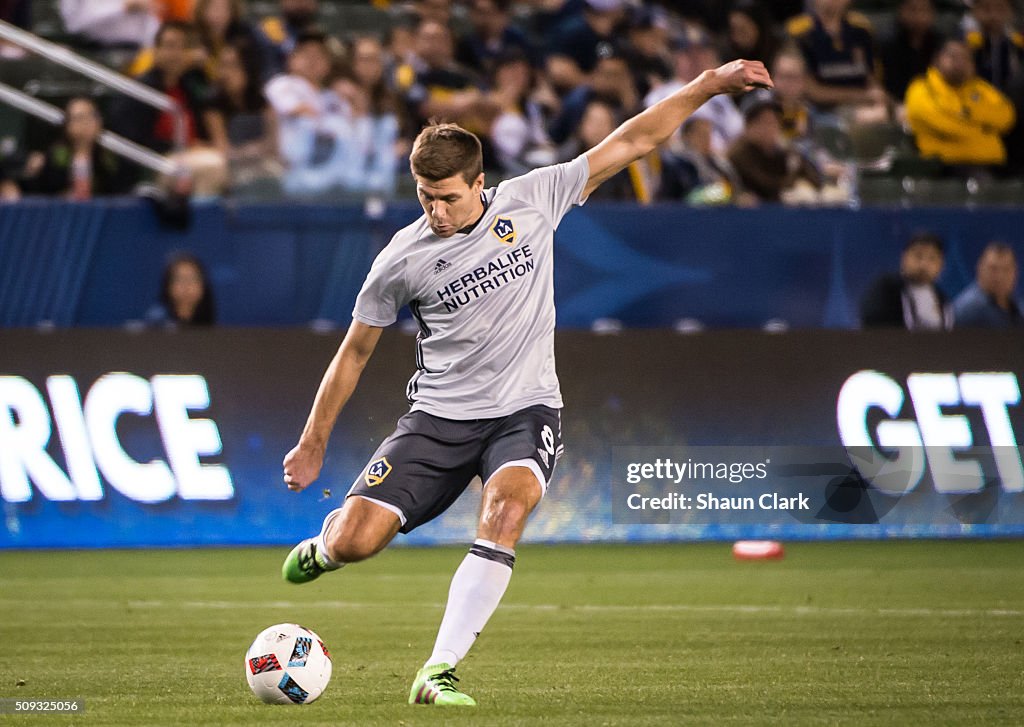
[{"x": 476, "y": 273}]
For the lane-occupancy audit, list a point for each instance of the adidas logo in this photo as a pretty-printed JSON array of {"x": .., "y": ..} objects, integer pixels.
[{"x": 441, "y": 266}]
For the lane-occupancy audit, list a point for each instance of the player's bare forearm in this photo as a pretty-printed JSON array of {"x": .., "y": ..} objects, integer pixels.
[
  {"x": 302, "y": 464},
  {"x": 643, "y": 133}
]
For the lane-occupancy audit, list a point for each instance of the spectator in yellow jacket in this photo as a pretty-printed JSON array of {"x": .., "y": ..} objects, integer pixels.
[{"x": 955, "y": 115}]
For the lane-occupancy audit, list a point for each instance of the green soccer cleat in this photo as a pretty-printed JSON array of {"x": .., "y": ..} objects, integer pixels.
[
  {"x": 435, "y": 684},
  {"x": 304, "y": 563}
]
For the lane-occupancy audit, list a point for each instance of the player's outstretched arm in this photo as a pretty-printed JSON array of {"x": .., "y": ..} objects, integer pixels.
[
  {"x": 643, "y": 133},
  {"x": 302, "y": 464}
]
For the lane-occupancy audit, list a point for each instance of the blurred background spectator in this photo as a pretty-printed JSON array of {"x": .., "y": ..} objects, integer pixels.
[
  {"x": 751, "y": 34},
  {"x": 909, "y": 50},
  {"x": 186, "y": 298},
  {"x": 692, "y": 53},
  {"x": 371, "y": 142},
  {"x": 174, "y": 73},
  {"x": 521, "y": 73},
  {"x": 790, "y": 75},
  {"x": 176, "y": 9},
  {"x": 956, "y": 116},
  {"x": 633, "y": 183},
  {"x": 220, "y": 23},
  {"x": 765, "y": 163},
  {"x": 215, "y": 24},
  {"x": 440, "y": 11},
  {"x": 581, "y": 40},
  {"x": 611, "y": 82},
  {"x": 112, "y": 22},
  {"x": 911, "y": 299},
  {"x": 436, "y": 86},
  {"x": 241, "y": 124},
  {"x": 19, "y": 13},
  {"x": 311, "y": 122},
  {"x": 647, "y": 48},
  {"x": 491, "y": 36},
  {"x": 996, "y": 43},
  {"x": 76, "y": 166},
  {"x": 695, "y": 173},
  {"x": 519, "y": 134},
  {"x": 990, "y": 301},
  {"x": 282, "y": 31},
  {"x": 839, "y": 48}
]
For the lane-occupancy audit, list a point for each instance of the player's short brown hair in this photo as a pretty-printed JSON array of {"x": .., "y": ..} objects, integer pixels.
[{"x": 444, "y": 150}]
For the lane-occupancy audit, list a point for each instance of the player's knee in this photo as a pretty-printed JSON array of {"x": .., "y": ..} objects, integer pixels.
[
  {"x": 344, "y": 547},
  {"x": 505, "y": 515}
]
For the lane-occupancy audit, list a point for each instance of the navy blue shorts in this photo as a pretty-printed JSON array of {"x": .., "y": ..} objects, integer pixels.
[{"x": 423, "y": 467}]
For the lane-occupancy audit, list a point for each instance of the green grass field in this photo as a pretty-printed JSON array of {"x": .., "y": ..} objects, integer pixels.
[{"x": 901, "y": 633}]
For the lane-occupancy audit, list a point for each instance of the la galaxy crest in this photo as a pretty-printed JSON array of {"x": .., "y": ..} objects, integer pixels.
[
  {"x": 377, "y": 472},
  {"x": 504, "y": 230}
]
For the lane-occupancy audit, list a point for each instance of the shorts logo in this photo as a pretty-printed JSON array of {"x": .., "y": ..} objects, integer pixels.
[
  {"x": 504, "y": 230},
  {"x": 547, "y": 438},
  {"x": 377, "y": 472}
]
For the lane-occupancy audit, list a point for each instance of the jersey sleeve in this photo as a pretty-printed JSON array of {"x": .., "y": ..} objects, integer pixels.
[
  {"x": 384, "y": 292},
  {"x": 553, "y": 190}
]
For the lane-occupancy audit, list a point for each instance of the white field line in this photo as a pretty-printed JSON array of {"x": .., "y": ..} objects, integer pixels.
[{"x": 611, "y": 608}]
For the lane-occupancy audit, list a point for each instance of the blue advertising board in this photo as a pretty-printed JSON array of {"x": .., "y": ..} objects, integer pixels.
[{"x": 112, "y": 438}]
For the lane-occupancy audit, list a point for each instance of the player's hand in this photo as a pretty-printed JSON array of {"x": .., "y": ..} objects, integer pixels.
[
  {"x": 739, "y": 76},
  {"x": 302, "y": 466}
]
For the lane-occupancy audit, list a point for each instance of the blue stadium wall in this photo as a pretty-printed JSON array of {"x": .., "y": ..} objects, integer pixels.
[
  {"x": 99, "y": 264},
  {"x": 117, "y": 438}
]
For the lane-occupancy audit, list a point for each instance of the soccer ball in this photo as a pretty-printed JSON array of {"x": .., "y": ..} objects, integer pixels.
[{"x": 287, "y": 664}]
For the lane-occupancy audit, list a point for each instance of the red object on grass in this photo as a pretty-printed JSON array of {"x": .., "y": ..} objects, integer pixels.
[{"x": 757, "y": 550}]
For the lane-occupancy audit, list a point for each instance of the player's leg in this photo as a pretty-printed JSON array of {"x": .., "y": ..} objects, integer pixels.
[
  {"x": 516, "y": 478},
  {"x": 479, "y": 583},
  {"x": 414, "y": 476},
  {"x": 357, "y": 530}
]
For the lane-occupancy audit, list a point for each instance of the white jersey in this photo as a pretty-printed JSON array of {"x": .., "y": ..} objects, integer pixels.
[{"x": 484, "y": 299}]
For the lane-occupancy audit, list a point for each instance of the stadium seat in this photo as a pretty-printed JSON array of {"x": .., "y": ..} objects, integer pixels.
[
  {"x": 47, "y": 20},
  {"x": 883, "y": 23},
  {"x": 1001, "y": 193},
  {"x": 925, "y": 192},
  {"x": 881, "y": 189},
  {"x": 12, "y": 131},
  {"x": 835, "y": 140},
  {"x": 871, "y": 141},
  {"x": 345, "y": 21}
]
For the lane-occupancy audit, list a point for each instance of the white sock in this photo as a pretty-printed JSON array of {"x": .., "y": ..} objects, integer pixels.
[
  {"x": 321, "y": 543},
  {"x": 477, "y": 588}
]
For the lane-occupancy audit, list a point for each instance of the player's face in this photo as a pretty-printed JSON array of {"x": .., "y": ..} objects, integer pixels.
[{"x": 450, "y": 204}]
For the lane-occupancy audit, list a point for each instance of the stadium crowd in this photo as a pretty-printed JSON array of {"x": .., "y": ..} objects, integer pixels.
[{"x": 276, "y": 98}]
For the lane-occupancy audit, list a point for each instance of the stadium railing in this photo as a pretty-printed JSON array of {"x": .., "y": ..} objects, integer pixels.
[{"x": 70, "y": 60}]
